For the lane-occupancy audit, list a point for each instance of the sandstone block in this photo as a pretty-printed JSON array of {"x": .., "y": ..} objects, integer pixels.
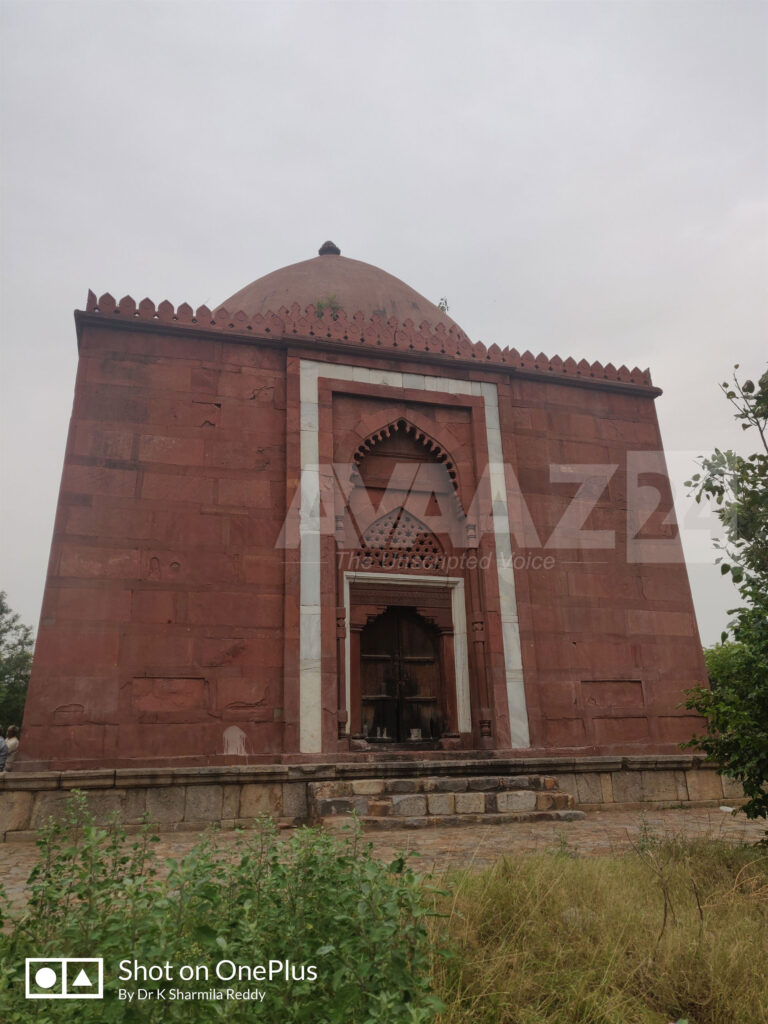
[
  {"x": 627, "y": 787},
  {"x": 553, "y": 801},
  {"x": 203, "y": 803},
  {"x": 230, "y": 802},
  {"x": 260, "y": 798},
  {"x": 15, "y": 810},
  {"x": 470, "y": 803},
  {"x": 664, "y": 785},
  {"x": 483, "y": 784},
  {"x": 567, "y": 784},
  {"x": 732, "y": 790},
  {"x": 445, "y": 785},
  {"x": 588, "y": 788},
  {"x": 295, "y": 800},
  {"x": 341, "y": 805},
  {"x": 380, "y": 808},
  {"x": 404, "y": 785},
  {"x": 368, "y": 787},
  {"x": 704, "y": 784},
  {"x": 440, "y": 803},
  {"x": 516, "y": 801},
  {"x": 410, "y": 805},
  {"x": 166, "y": 805},
  {"x": 105, "y": 804},
  {"x": 519, "y": 782},
  {"x": 135, "y": 805}
]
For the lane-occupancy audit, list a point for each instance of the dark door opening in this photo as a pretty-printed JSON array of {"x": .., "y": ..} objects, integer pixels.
[{"x": 400, "y": 678}]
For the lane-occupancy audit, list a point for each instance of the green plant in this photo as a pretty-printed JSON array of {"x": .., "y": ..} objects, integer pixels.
[
  {"x": 736, "y": 706},
  {"x": 329, "y": 304},
  {"x": 16, "y": 645},
  {"x": 561, "y": 940},
  {"x": 312, "y": 900}
]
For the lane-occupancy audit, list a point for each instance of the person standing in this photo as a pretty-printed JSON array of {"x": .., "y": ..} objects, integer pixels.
[{"x": 11, "y": 746}]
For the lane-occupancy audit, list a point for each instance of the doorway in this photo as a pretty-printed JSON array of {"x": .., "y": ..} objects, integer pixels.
[{"x": 400, "y": 679}]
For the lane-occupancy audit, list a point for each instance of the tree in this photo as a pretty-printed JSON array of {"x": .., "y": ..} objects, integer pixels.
[
  {"x": 736, "y": 706},
  {"x": 16, "y": 645}
]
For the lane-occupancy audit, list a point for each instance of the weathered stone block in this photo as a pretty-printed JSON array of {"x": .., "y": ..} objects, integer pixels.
[
  {"x": 135, "y": 805},
  {"x": 516, "y": 801},
  {"x": 484, "y": 784},
  {"x": 260, "y": 798},
  {"x": 295, "y": 800},
  {"x": 664, "y": 785},
  {"x": 445, "y": 785},
  {"x": 704, "y": 784},
  {"x": 368, "y": 787},
  {"x": 627, "y": 787},
  {"x": 553, "y": 801},
  {"x": 410, "y": 805},
  {"x": 606, "y": 784},
  {"x": 588, "y": 788},
  {"x": 329, "y": 790},
  {"x": 567, "y": 784},
  {"x": 732, "y": 790},
  {"x": 342, "y": 805},
  {"x": 380, "y": 808},
  {"x": 404, "y": 785},
  {"x": 15, "y": 810},
  {"x": 203, "y": 803},
  {"x": 519, "y": 782},
  {"x": 230, "y": 802},
  {"x": 470, "y": 803},
  {"x": 166, "y": 805},
  {"x": 103, "y": 805},
  {"x": 440, "y": 803}
]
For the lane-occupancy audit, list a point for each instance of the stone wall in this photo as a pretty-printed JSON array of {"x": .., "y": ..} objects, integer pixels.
[{"x": 189, "y": 798}]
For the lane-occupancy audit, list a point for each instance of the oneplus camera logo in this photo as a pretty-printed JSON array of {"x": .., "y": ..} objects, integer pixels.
[{"x": 65, "y": 977}]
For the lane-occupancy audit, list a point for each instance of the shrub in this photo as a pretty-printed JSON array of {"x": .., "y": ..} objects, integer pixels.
[{"x": 312, "y": 900}]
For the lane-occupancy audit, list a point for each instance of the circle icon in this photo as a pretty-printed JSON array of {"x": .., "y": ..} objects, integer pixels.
[{"x": 46, "y": 977}]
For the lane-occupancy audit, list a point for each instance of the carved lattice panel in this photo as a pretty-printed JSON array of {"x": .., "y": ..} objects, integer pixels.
[{"x": 400, "y": 540}]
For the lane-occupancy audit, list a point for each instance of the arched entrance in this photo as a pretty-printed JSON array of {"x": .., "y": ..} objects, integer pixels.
[{"x": 400, "y": 678}]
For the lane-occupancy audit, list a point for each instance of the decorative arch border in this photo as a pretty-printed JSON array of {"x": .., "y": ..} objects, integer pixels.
[
  {"x": 310, "y": 596},
  {"x": 403, "y": 425},
  {"x": 438, "y": 451}
]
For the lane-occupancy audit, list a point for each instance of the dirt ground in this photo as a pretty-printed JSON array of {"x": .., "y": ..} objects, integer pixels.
[{"x": 440, "y": 849}]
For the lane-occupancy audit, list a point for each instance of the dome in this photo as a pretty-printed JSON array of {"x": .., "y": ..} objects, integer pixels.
[{"x": 343, "y": 283}]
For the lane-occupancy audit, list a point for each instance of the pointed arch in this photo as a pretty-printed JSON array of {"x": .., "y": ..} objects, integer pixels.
[{"x": 404, "y": 427}]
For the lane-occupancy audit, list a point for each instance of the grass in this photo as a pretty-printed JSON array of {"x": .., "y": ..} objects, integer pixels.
[{"x": 675, "y": 930}]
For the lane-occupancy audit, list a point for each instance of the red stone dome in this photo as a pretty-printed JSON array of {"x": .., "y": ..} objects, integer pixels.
[{"x": 331, "y": 278}]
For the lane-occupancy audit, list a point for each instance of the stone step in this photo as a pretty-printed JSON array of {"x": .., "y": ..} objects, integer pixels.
[
  {"x": 440, "y": 800},
  {"x": 390, "y": 822}
]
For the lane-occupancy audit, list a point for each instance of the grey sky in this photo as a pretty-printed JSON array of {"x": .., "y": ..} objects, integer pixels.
[{"x": 587, "y": 179}]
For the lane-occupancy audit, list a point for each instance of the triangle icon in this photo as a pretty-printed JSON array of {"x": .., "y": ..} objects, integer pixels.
[{"x": 82, "y": 980}]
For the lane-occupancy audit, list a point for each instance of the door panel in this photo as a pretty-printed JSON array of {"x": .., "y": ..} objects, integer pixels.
[{"x": 400, "y": 678}]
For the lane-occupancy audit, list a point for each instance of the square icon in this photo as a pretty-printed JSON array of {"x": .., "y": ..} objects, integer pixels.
[{"x": 67, "y": 977}]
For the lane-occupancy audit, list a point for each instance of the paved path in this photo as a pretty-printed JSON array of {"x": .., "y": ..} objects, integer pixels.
[{"x": 444, "y": 848}]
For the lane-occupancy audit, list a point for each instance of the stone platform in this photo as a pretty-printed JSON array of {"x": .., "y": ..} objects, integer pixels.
[{"x": 237, "y": 795}]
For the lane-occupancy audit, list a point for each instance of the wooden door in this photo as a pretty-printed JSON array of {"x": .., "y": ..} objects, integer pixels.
[{"x": 400, "y": 678}]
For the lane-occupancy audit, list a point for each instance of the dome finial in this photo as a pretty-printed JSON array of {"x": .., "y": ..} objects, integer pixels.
[{"x": 329, "y": 249}]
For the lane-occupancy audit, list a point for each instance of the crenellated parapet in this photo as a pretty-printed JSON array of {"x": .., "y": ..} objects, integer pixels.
[{"x": 361, "y": 332}]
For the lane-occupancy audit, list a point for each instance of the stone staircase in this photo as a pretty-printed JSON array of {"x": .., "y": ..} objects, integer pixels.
[{"x": 440, "y": 800}]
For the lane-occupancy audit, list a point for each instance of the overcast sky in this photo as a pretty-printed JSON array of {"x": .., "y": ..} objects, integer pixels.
[{"x": 582, "y": 178}]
